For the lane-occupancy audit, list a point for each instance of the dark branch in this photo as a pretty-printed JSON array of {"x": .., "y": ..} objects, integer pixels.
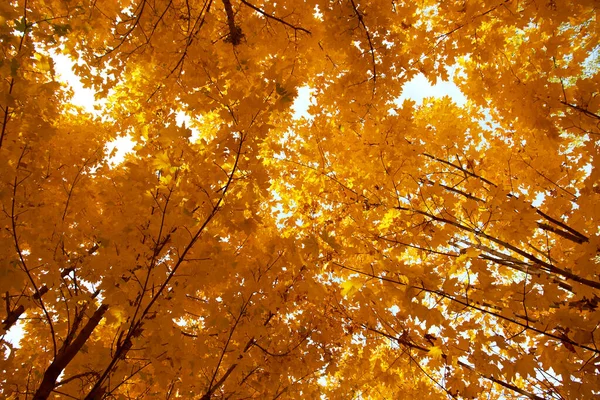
[
  {"x": 66, "y": 353},
  {"x": 269, "y": 16},
  {"x": 13, "y": 316},
  {"x": 235, "y": 32},
  {"x": 462, "y": 364},
  {"x": 361, "y": 20}
]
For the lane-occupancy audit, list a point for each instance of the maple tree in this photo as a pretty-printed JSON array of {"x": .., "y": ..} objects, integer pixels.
[{"x": 372, "y": 250}]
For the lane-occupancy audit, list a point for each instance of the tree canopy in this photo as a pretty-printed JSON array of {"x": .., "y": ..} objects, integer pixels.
[{"x": 374, "y": 249}]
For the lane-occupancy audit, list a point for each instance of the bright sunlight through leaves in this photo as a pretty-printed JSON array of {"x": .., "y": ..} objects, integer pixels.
[{"x": 301, "y": 199}]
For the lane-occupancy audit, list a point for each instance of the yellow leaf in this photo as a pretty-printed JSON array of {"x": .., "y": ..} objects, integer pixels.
[
  {"x": 472, "y": 252},
  {"x": 435, "y": 352},
  {"x": 349, "y": 288}
]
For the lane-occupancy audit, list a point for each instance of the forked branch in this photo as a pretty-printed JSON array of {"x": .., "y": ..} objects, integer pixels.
[{"x": 66, "y": 353}]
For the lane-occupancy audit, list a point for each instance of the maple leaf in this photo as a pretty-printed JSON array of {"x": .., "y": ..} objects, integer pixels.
[{"x": 436, "y": 352}]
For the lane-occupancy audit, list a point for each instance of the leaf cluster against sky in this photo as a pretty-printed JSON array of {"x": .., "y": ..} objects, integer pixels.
[{"x": 381, "y": 248}]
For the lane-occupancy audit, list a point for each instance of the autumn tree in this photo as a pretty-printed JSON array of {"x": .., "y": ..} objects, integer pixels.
[{"x": 375, "y": 249}]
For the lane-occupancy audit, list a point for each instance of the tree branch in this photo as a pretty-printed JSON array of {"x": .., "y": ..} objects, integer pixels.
[
  {"x": 269, "y": 16},
  {"x": 361, "y": 20},
  {"x": 235, "y": 32},
  {"x": 549, "y": 267},
  {"x": 471, "y": 305},
  {"x": 13, "y": 316},
  {"x": 462, "y": 364},
  {"x": 98, "y": 389},
  {"x": 66, "y": 354}
]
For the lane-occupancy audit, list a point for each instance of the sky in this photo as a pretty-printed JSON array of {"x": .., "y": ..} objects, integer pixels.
[{"x": 417, "y": 89}]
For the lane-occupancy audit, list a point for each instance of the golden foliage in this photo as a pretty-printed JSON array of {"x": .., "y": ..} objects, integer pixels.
[{"x": 371, "y": 250}]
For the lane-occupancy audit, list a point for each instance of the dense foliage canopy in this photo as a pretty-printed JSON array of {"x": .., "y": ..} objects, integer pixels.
[{"x": 375, "y": 249}]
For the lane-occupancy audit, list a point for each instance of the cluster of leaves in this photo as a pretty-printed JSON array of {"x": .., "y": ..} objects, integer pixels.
[{"x": 372, "y": 250}]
